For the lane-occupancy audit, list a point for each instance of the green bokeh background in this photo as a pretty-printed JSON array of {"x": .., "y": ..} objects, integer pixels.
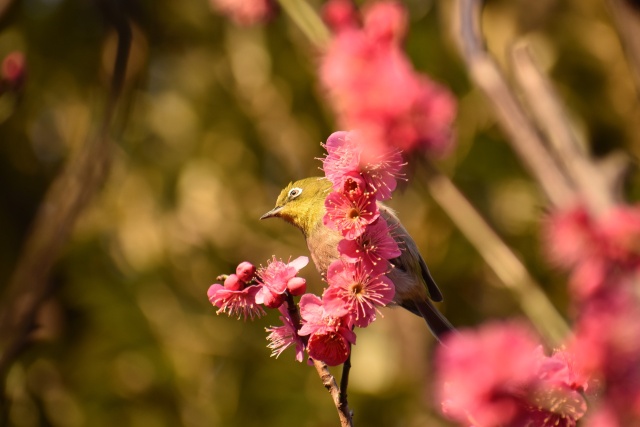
[{"x": 215, "y": 121}]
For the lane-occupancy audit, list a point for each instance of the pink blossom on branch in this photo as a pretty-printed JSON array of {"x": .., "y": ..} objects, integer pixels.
[
  {"x": 372, "y": 248},
  {"x": 330, "y": 334},
  {"x": 240, "y": 303},
  {"x": 349, "y": 154},
  {"x": 274, "y": 279},
  {"x": 282, "y": 337},
  {"x": 598, "y": 252},
  {"x": 356, "y": 291},
  {"x": 498, "y": 376},
  {"x": 374, "y": 88},
  {"x": 350, "y": 217}
]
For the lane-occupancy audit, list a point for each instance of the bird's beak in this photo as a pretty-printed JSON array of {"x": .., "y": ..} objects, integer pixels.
[{"x": 273, "y": 212}]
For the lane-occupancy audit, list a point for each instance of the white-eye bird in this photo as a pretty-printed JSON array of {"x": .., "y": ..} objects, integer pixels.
[{"x": 301, "y": 203}]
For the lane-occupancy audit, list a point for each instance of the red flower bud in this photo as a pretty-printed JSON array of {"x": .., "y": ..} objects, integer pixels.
[
  {"x": 14, "y": 69},
  {"x": 233, "y": 283},
  {"x": 272, "y": 300},
  {"x": 297, "y": 286},
  {"x": 246, "y": 271}
]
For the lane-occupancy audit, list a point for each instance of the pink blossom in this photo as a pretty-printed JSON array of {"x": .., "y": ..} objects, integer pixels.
[
  {"x": 343, "y": 158},
  {"x": 246, "y": 271},
  {"x": 372, "y": 248},
  {"x": 385, "y": 21},
  {"x": 13, "y": 69},
  {"x": 599, "y": 252},
  {"x": 382, "y": 171},
  {"x": 351, "y": 157},
  {"x": 330, "y": 334},
  {"x": 350, "y": 217},
  {"x": 393, "y": 106},
  {"x": 339, "y": 15},
  {"x": 233, "y": 283},
  {"x": 274, "y": 278},
  {"x": 498, "y": 376},
  {"x": 236, "y": 303},
  {"x": 356, "y": 291},
  {"x": 282, "y": 337},
  {"x": 245, "y": 12}
]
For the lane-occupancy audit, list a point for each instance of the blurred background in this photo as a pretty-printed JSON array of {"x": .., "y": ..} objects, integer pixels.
[{"x": 215, "y": 119}]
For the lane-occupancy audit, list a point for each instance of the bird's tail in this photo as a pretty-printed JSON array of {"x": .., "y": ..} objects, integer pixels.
[{"x": 438, "y": 324}]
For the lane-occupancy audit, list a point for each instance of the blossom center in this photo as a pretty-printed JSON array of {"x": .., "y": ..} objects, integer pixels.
[
  {"x": 353, "y": 213},
  {"x": 356, "y": 288}
]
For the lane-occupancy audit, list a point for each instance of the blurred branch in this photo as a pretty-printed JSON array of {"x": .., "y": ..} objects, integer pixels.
[
  {"x": 63, "y": 203},
  {"x": 307, "y": 20},
  {"x": 627, "y": 20},
  {"x": 551, "y": 117},
  {"x": 4, "y": 6},
  {"x": 506, "y": 265},
  {"x": 521, "y": 133}
]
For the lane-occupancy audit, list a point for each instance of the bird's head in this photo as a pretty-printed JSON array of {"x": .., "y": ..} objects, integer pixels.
[{"x": 301, "y": 203}]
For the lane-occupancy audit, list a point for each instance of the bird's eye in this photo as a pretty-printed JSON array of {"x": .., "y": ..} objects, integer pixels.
[{"x": 294, "y": 192}]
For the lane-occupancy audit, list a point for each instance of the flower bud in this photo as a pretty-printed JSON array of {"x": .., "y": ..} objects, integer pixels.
[
  {"x": 246, "y": 271},
  {"x": 13, "y": 69},
  {"x": 272, "y": 300},
  {"x": 233, "y": 283},
  {"x": 297, "y": 286}
]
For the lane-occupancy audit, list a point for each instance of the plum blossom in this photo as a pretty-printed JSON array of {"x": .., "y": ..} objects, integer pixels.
[
  {"x": 356, "y": 291},
  {"x": 372, "y": 248},
  {"x": 240, "y": 303},
  {"x": 330, "y": 334},
  {"x": 597, "y": 252},
  {"x": 274, "y": 279},
  {"x": 282, "y": 337},
  {"x": 13, "y": 70},
  {"x": 350, "y": 217},
  {"x": 393, "y": 106},
  {"x": 349, "y": 155},
  {"x": 498, "y": 376}
]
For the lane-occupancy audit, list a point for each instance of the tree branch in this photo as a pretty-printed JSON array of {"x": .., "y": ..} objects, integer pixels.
[
  {"x": 500, "y": 258},
  {"x": 627, "y": 21},
  {"x": 521, "y": 133},
  {"x": 338, "y": 394},
  {"x": 63, "y": 203},
  {"x": 551, "y": 117}
]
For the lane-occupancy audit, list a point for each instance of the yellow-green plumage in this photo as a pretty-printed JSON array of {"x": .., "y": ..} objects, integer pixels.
[{"x": 301, "y": 203}]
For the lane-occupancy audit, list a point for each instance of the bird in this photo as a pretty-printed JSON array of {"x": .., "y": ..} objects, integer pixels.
[{"x": 301, "y": 203}]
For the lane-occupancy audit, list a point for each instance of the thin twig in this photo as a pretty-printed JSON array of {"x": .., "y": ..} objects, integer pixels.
[
  {"x": 506, "y": 265},
  {"x": 344, "y": 382},
  {"x": 68, "y": 195},
  {"x": 627, "y": 21},
  {"x": 329, "y": 382},
  {"x": 551, "y": 117},
  {"x": 523, "y": 136}
]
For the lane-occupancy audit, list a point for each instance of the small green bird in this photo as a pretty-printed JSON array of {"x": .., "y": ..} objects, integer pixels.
[{"x": 301, "y": 203}]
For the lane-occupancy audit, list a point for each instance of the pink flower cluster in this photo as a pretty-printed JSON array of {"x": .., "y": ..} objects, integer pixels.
[
  {"x": 357, "y": 281},
  {"x": 499, "y": 376},
  {"x": 245, "y": 291},
  {"x": 373, "y": 86},
  {"x": 602, "y": 256},
  {"x": 600, "y": 252}
]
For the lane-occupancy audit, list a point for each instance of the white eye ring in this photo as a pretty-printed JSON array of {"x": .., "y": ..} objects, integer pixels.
[{"x": 294, "y": 192}]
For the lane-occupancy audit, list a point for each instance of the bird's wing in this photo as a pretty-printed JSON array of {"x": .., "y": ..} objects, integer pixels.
[{"x": 410, "y": 261}]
